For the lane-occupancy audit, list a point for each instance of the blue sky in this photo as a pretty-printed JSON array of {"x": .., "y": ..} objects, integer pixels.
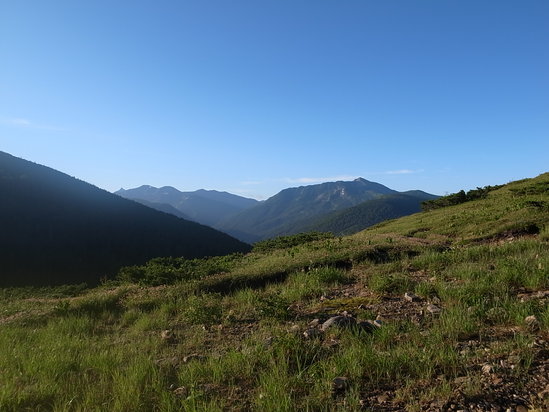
[{"x": 254, "y": 96}]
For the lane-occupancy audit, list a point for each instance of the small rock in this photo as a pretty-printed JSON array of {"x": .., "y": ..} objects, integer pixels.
[
  {"x": 340, "y": 384},
  {"x": 487, "y": 369},
  {"x": 433, "y": 309},
  {"x": 167, "y": 335},
  {"x": 171, "y": 361},
  {"x": 294, "y": 328},
  {"x": 411, "y": 297},
  {"x": 314, "y": 323},
  {"x": 496, "y": 380},
  {"x": 181, "y": 392},
  {"x": 194, "y": 356},
  {"x": 339, "y": 321},
  {"x": 461, "y": 379},
  {"x": 312, "y": 333},
  {"x": 383, "y": 398},
  {"x": 332, "y": 343},
  {"x": 532, "y": 323}
]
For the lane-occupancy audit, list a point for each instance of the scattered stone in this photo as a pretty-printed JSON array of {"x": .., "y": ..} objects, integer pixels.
[
  {"x": 434, "y": 309},
  {"x": 461, "y": 380},
  {"x": 171, "y": 361},
  {"x": 194, "y": 356},
  {"x": 411, "y": 297},
  {"x": 167, "y": 335},
  {"x": 181, "y": 392},
  {"x": 496, "y": 380},
  {"x": 332, "y": 343},
  {"x": 383, "y": 398},
  {"x": 532, "y": 323},
  {"x": 339, "y": 321},
  {"x": 294, "y": 328},
  {"x": 312, "y": 333},
  {"x": 340, "y": 384},
  {"x": 314, "y": 323}
]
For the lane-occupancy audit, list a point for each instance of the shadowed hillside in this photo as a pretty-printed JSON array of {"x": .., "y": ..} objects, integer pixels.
[{"x": 57, "y": 229}]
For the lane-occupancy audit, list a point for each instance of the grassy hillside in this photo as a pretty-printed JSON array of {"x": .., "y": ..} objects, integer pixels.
[
  {"x": 242, "y": 332},
  {"x": 366, "y": 214}
]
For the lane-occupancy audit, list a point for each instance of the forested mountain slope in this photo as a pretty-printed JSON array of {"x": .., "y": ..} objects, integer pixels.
[{"x": 57, "y": 229}]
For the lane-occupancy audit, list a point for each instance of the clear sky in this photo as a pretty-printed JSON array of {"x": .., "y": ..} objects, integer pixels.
[{"x": 255, "y": 96}]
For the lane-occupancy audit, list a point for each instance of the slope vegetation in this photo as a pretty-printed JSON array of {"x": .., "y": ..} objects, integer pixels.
[
  {"x": 366, "y": 214},
  {"x": 460, "y": 297},
  {"x": 57, "y": 229}
]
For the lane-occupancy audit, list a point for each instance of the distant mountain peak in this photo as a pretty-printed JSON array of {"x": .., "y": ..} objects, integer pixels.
[{"x": 204, "y": 206}]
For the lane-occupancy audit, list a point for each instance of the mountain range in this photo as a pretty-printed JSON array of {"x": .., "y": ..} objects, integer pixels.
[
  {"x": 57, "y": 229},
  {"x": 208, "y": 207},
  {"x": 341, "y": 207}
]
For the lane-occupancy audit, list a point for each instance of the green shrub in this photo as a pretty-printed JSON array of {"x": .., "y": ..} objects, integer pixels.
[
  {"x": 459, "y": 197},
  {"x": 285, "y": 242},
  {"x": 168, "y": 270}
]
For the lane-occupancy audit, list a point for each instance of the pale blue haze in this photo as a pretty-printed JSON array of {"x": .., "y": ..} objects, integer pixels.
[{"x": 254, "y": 96}]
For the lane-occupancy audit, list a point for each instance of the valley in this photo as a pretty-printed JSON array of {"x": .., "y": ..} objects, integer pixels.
[{"x": 441, "y": 310}]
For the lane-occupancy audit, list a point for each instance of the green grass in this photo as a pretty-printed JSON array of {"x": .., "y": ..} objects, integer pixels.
[{"x": 78, "y": 349}]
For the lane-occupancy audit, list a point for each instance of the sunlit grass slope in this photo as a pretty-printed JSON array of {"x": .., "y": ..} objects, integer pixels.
[{"x": 227, "y": 333}]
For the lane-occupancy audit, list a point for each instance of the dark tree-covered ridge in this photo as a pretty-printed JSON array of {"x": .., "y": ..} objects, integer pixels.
[{"x": 56, "y": 229}]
